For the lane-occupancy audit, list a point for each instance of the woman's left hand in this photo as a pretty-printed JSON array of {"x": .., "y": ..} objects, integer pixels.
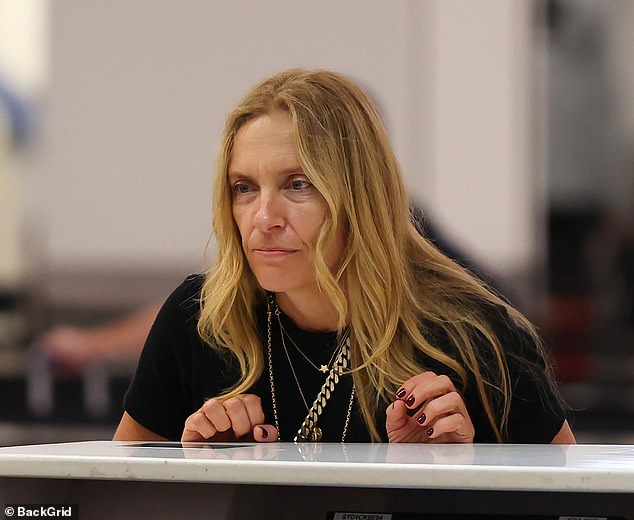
[{"x": 428, "y": 408}]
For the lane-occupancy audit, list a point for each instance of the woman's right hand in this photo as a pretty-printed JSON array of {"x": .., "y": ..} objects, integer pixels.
[{"x": 229, "y": 420}]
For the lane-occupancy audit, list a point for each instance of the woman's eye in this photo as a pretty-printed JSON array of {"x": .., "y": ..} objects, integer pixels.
[
  {"x": 241, "y": 188},
  {"x": 299, "y": 184}
]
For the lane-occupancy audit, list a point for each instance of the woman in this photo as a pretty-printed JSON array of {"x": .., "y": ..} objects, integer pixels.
[{"x": 326, "y": 316}]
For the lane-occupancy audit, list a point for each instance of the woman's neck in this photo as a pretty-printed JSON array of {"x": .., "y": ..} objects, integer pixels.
[{"x": 309, "y": 312}]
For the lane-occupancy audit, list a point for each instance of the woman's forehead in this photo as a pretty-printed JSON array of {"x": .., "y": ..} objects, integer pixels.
[{"x": 264, "y": 143}]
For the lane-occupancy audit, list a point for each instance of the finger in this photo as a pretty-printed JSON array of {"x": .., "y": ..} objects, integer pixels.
[
  {"x": 396, "y": 416},
  {"x": 197, "y": 428},
  {"x": 253, "y": 406},
  {"x": 406, "y": 388},
  {"x": 446, "y": 404},
  {"x": 444, "y": 425},
  {"x": 216, "y": 413},
  {"x": 427, "y": 389},
  {"x": 265, "y": 433},
  {"x": 455, "y": 426},
  {"x": 237, "y": 413},
  {"x": 210, "y": 419},
  {"x": 399, "y": 425}
]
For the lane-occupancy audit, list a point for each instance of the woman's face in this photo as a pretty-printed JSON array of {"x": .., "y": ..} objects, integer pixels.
[{"x": 278, "y": 211}]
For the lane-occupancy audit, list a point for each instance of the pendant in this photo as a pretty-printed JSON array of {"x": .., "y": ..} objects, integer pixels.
[{"x": 323, "y": 368}]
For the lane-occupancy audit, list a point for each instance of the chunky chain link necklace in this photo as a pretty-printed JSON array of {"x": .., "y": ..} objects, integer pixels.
[{"x": 309, "y": 430}]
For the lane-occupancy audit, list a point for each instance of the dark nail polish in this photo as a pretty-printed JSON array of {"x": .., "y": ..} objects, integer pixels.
[
  {"x": 430, "y": 432},
  {"x": 265, "y": 434},
  {"x": 401, "y": 393},
  {"x": 410, "y": 400},
  {"x": 421, "y": 419}
]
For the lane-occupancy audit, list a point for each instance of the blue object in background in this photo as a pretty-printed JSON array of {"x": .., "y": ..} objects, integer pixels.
[{"x": 21, "y": 117}]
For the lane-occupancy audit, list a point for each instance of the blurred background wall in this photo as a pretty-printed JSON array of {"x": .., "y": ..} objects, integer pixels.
[
  {"x": 106, "y": 197},
  {"x": 138, "y": 92}
]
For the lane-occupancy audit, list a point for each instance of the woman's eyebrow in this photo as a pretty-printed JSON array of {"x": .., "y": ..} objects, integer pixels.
[
  {"x": 234, "y": 176},
  {"x": 286, "y": 172}
]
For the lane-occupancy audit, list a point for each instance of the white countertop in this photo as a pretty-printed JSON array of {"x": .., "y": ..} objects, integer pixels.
[{"x": 578, "y": 468}]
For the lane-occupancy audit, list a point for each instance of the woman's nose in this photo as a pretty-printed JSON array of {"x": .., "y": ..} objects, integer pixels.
[{"x": 269, "y": 213}]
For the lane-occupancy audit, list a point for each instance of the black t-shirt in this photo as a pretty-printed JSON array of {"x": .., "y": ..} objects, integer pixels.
[{"x": 177, "y": 372}]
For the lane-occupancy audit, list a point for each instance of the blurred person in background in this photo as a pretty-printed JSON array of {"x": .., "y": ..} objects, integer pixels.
[
  {"x": 72, "y": 347},
  {"x": 17, "y": 124}
]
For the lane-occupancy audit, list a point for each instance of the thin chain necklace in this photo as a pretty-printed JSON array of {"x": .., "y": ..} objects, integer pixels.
[
  {"x": 321, "y": 368},
  {"x": 290, "y": 363},
  {"x": 309, "y": 431}
]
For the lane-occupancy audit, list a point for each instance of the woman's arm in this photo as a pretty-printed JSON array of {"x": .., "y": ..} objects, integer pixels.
[
  {"x": 565, "y": 435},
  {"x": 131, "y": 430}
]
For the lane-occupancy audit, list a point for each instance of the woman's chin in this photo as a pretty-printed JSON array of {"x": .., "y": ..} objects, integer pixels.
[
  {"x": 279, "y": 281},
  {"x": 275, "y": 286}
]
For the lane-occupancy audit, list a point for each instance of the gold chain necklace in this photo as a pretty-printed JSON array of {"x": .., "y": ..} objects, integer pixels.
[{"x": 309, "y": 431}]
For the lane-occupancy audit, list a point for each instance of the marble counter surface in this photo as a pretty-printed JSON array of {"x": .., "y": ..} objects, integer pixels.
[{"x": 579, "y": 468}]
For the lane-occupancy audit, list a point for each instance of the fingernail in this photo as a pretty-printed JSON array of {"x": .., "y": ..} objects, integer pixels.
[
  {"x": 430, "y": 432},
  {"x": 265, "y": 434},
  {"x": 421, "y": 419},
  {"x": 410, "y": 400},
  {"x": 401, "y": 393}
]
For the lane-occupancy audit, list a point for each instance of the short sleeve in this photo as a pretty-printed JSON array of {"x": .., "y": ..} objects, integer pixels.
[{"x": 158, "y": 396}]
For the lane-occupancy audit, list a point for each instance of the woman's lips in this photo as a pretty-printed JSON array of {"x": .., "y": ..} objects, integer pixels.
[{"x": 274, "y": 252}]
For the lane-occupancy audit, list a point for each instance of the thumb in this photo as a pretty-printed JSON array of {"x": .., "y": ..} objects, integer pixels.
[
  {"x": 265, "y": 433},
  {"x": 396, "y": 416}
]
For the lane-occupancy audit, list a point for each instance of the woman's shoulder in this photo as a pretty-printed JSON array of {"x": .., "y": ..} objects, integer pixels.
[
  {"x": 520, "y": 339},
  {"x": 186, "y": 296},
  {"x": 180, "y": 311},
  {"x": 474, "y": 314},
  {"x": 190, "y": 288},
  {"x": 484, "y": 321}
]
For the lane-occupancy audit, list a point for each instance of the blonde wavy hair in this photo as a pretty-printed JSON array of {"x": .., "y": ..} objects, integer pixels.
[{"x": 394, "y": 279}]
